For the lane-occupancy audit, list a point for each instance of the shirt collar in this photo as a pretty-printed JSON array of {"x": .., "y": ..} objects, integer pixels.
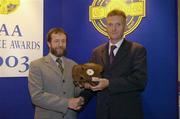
[
  {"x": 118, "y": 44},
  {"x": 54, "y": 57}
]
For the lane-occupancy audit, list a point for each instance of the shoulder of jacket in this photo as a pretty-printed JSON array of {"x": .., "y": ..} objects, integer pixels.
[
  {"x": 100, "y": 47},
  {"x": 134, "y": 44},
  {"x": 38, "y": 61},
  {"x": 70, "y": 60}
]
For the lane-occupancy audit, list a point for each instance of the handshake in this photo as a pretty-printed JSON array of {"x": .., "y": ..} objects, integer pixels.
[
  {"x": 88, "y": 76},
  {"x": 75, "y": 103}
]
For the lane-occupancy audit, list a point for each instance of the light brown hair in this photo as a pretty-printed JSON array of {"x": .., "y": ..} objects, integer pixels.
[
  {"x": 117, "y": 12},
  {"x": 55, "y": 31}
]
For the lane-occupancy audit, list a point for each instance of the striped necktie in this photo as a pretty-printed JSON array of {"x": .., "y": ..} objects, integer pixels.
[{"x": 59, "y": 61}]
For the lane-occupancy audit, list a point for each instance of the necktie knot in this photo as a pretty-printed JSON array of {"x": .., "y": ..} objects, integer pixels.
[
  {"x": 59, "y": 61},
  {"x": 113, "y": 47},
  {"x": 112, "y": 53}
]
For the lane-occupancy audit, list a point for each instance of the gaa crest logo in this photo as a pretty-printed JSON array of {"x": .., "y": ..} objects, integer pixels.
[
  {"x": 8, "y": 6},
  {"x": 134, "y": 9}
]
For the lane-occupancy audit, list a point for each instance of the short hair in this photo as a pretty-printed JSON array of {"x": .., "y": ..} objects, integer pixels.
[
  {"x": 55, "y": 31},
  {"x": 117, "y": 12}
]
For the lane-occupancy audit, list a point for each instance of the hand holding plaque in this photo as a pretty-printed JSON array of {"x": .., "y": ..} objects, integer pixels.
[{"x": 83, "y": 73}]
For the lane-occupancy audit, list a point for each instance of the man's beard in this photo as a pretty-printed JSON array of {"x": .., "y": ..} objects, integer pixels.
[{"x": 54, "y": 52}]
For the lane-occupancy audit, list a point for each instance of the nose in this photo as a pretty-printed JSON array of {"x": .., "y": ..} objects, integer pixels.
[
  {"x": 113, "y": 28},
  {"x": 59, "y": 43}
]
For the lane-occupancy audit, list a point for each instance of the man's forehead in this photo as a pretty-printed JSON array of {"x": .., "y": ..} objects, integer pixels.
[
  {"x": 110, "y": 18},
  {"x": 115, "y": 18},
  {"x": 58, "y": 35}
]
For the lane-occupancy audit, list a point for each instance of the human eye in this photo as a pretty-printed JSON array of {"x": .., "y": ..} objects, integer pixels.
[
  {"x": 109, "y": 24},
  {"x": 56, "y": 41},
  {"x": 118, "y": 24},
  {"x": 64, "y": 40}
]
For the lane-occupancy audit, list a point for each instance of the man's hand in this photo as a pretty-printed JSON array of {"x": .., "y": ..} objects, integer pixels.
[
  {"x": 75, "y": 103},
  {"x": 102, "y": 84}
]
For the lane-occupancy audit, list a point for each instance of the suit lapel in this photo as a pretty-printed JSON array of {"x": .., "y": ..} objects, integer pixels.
[
  {"x": 51, "y": 64},
  {"x": 122, "y": 52},
  {"x": 105, "y": 56},
  {"x": 65, "y": 63}
]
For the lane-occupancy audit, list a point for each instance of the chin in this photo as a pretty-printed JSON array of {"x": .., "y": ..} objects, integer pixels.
[
  {"x": 58, "y": 54},
  {"x": 114, "y": 38}
]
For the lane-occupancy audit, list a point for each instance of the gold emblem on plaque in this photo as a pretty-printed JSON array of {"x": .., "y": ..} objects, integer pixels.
[
  {"x": 8, "y": 6},
  {"x": 134, "y": 9}
]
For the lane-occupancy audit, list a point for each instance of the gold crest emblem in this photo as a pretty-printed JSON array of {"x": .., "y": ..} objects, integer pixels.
[
  {"x": 134, "y": 9},
  {"x": 8, "y": 6}
]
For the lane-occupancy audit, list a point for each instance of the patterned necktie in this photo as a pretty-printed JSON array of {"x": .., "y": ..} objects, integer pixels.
[
  {"x": 111, "y": 58},
  {"x": 59, "y": 61}
]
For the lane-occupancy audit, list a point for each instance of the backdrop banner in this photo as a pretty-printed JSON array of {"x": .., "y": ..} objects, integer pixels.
[
  {"x": 151, "y": 23},
  {"x": 21, "y": 35}
]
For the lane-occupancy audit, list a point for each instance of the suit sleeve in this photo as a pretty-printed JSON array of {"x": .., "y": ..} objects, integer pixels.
[
  {"x": 42, "y": 98},
  {"x": 135, "y": 79},
  {"x": 87, "y": 94}
]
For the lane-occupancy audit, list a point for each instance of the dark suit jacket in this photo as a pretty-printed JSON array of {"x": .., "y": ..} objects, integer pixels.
[{"x": 127, "y": 77}]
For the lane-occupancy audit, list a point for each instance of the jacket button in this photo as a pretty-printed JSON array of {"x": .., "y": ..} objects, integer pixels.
[{"x": 63, "y": 81}]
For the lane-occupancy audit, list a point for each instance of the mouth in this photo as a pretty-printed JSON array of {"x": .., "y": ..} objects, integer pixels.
[
  {"x": 59, "y": 48},
  {"x": 114, "y": 32}
]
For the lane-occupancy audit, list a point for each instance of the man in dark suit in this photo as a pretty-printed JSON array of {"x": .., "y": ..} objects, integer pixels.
[
  {"x": 50, "y": 81},
  {"x": 125, "y": 73}
]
